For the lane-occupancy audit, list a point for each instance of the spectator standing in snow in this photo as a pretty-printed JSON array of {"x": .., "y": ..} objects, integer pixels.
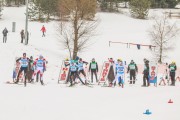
[
  {"x": 4, "y": 32},
  {"x": 22, "y": 35},
  {"x": 146, "y": 73},
  {"x": 111, "y": 74},
  {"x": 27, "y": 37},
  {"x": 30, "y": 70},
  {"x": 43, "y": 29}
]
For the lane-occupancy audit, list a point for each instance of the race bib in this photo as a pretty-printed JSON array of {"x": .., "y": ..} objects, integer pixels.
[
  {"x": 172, "y": 68},
  {"x": 120, "y": 69},
  {"x": 132, "y": 67},
  {"x": 24, "y": 62},
  {"x": 73, "y": 68},
  {"x": 93, "y": 66}
]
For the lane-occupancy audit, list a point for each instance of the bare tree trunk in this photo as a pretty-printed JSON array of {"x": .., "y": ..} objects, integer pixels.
[
  {"x": 75, "y": 37},
  {"x": 160, "y": 55}
]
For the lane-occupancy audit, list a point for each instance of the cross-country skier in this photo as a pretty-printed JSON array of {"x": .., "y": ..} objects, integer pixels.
[
  {"x": 132, "y": 68},
  {"x": 39, "y": 66},
  {"x": 165, "y": 76},
  {"x": 93, "y": 68},
  {"x": 24, "y": 67},
  {"x": 120, "y": 70},
  {"x": 172, "y": 72},
  {"x": 81, "y": 68},
  {"x": 73, "y": 73}
]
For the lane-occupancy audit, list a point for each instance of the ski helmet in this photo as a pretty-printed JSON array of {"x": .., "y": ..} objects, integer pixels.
[
  {"x": 24, "y": 54},
  {"x": 144, "y": 59},
  {"x": 40, "y": 57},
  {"x": 77, "y": 58}
]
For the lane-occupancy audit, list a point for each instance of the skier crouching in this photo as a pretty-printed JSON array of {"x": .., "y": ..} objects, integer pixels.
[
  {"x": 73, "y": 73},
  {"x": 81, "y": 68},
  {"x": 39, "y": 66},
  {"x": 119, "y": 73}
]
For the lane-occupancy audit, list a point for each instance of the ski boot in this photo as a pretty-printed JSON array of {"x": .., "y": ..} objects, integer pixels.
[{"x": 42, "y": 83}]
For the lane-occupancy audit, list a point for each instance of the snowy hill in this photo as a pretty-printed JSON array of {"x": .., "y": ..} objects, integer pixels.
[{"x": 55, "y": 102}]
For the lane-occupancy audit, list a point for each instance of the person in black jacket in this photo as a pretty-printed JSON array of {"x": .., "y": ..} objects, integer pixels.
[
  {"x": 172, "y": 72},
  {"x": 73, "y": 72},
  {"x": 22, "y": 35},
  {"x": 4, "y": 32},
  {"x": 111, "y": 74},
  {"x": 93, "y": 68},
  {"x": 132, "y": 68},
  {"x": 146, "y": 73},
  {"x": 24, "y": 67}
]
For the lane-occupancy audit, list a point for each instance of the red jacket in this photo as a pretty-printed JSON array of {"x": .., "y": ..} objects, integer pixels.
[{"x": 43, "y": 29}]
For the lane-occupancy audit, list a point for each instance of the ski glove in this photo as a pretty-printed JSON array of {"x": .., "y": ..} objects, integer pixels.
[{"x": 44, "y": 69}]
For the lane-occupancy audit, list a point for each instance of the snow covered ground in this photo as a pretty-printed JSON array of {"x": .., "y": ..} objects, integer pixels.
[{"x": 55, "y": 101}]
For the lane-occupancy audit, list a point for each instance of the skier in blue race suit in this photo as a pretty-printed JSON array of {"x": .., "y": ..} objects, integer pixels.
[
  {"x": 120, "y": 70},
  {"x": 24, "y": 67},
  {"x": 73, "y": 73}
]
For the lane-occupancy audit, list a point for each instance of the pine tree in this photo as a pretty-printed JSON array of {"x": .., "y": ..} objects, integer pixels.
[
  {"x": 172, "y": 3},
  {"x": 42, "y": 9},
  {"x": 164, "y": 3},
  {"x": 49, "y": 8},
  {"x": 139, "y": 8},
  {"x": 109, "y": 5},
  {"x": 35, "y": 10}
]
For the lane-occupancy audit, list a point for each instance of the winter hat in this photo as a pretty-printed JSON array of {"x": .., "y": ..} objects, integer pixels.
[
  {"x": 24, "y": 54},
  {"x": 119, "y": 60}
]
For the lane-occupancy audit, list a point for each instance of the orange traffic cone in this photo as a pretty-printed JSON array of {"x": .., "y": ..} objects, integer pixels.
[{"x": 170, "y": 101}]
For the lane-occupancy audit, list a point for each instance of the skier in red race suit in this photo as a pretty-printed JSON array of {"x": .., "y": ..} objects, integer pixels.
[
  {"x": 40, "y": 66},
  {"x": 43, "y": 29}
]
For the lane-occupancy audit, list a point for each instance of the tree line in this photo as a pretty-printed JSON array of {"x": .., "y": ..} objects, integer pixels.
[{"x": 42, "y": 10}]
